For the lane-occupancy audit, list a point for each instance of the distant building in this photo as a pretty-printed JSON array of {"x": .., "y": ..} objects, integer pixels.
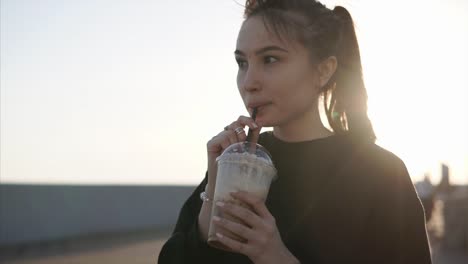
[{"x": 444, "y": 186}]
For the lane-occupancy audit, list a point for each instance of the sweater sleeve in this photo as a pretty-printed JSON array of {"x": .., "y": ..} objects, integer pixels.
[{"x": 185, "y": 245}]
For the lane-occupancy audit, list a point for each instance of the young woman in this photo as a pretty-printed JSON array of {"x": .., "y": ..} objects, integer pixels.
[{"x": 339, "y": 198}]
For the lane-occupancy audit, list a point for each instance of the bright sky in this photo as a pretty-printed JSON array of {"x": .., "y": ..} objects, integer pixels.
[{"x": 127, "y": 92}]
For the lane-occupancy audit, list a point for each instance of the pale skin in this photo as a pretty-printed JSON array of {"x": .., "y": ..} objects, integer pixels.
[{"x": 279, "y": 78}]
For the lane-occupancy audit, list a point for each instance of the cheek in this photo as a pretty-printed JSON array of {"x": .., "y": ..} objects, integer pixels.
[
  {"x": 294, "y": 93},
  {"x": 239, "y": 83},
  {"x": 239, "y": 86},
  {"x": 282, "y": 86}
]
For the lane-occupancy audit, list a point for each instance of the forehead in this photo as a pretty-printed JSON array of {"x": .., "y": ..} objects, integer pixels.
[{"x": 254, "y": 35}]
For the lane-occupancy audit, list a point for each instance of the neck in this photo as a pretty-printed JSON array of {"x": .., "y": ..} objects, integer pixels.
[{"x": 305, "y": 128}]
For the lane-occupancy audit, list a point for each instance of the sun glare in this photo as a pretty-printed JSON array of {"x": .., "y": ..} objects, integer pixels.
[{"x": 415, "y": 73}]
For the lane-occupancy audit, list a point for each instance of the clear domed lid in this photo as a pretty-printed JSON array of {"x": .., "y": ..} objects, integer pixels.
[{"x": 251, "y": 148}]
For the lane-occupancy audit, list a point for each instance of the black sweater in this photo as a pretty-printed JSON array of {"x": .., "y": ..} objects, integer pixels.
[{"x": 336, "y": 200}]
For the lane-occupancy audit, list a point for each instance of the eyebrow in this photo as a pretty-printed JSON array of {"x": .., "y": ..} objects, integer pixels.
[{"x": 262, "y": 50}]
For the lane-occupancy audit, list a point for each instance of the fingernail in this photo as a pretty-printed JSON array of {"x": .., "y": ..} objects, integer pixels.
[
  {"x": 216, "y": 218},
  {"x": 254, "y": 125},
  {"x": 219, "y": 235},
  {"x": 220, "y": 204}
]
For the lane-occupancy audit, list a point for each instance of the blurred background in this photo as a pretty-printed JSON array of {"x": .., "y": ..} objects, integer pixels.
[{"x": 106, "y": 108}]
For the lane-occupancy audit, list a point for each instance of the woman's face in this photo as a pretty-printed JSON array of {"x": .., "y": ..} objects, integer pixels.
[{"x": 276, "y": 76}]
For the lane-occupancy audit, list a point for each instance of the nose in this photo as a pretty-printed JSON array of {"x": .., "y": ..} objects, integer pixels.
[{"x": 251, "y": 79}]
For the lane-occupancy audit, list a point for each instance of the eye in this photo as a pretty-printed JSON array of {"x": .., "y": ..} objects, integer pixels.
[
  {"x": 269, "y": 59},
  {"x": 241, "y": 63}
]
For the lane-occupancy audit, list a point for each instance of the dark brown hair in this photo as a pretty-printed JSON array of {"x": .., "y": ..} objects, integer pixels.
[{"x": 324, "y": 32}]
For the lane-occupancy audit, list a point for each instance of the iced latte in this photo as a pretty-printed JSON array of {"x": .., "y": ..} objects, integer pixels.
[{"x": 242, "y": 167}]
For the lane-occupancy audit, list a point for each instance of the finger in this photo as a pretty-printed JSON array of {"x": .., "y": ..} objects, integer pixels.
[
  {"x": 214, "y": 144},
  {"x": 220, "y": 142},
  {"x": 225, "y": 143},
  {"x": 247, "y": 121},
  {"x": 232, "y": 136},
  {"x": 241, "y": 136},
  {"x": 254, "y": 135},
  {"x": 236, "y": 228},
  {"x": 257, "y": 204},
  {"x": 242, "y": 213},
  {"x": 223, "y": 139},
  {"x": 234, "y": 125},
  {"x": 254, "y": 129},
  {"x": 226, "y": 232},
  {"x": 239, "y": 131},
  {"x": 236, "y": 246},
  {"x": 243, "y": 121}
]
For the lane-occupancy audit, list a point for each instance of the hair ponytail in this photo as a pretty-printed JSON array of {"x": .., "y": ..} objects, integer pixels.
[{"x": 345, "y": 94}]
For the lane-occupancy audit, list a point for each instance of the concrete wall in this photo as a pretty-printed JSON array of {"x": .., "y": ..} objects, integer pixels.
[{"x": 30, "y": 213}]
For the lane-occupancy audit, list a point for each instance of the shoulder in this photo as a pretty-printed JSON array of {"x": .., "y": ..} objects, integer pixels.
[
  {"x": 374, "y": 165},
  {"x": 347, "y": 154},
  {"x": 365, "y": 154},
  {"x": 378, "y": 178},
  {"x": 379, "y": 157}
]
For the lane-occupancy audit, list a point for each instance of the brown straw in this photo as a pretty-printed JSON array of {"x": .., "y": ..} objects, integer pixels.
[{"x": 250, "y": 133}]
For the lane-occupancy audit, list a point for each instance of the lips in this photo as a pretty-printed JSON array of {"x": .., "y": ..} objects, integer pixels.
[{"x": 258, "y": 105}]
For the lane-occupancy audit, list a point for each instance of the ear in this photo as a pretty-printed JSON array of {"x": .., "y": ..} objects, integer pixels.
[{"x": 326, "y": 69}]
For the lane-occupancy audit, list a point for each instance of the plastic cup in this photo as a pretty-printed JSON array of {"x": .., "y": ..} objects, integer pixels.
[{"x": 243, "y": 166}]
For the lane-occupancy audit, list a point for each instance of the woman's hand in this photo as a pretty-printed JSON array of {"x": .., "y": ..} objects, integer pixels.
[
  {"x": 231, "y": 134},
  {"x": 264, "y": 244}
]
